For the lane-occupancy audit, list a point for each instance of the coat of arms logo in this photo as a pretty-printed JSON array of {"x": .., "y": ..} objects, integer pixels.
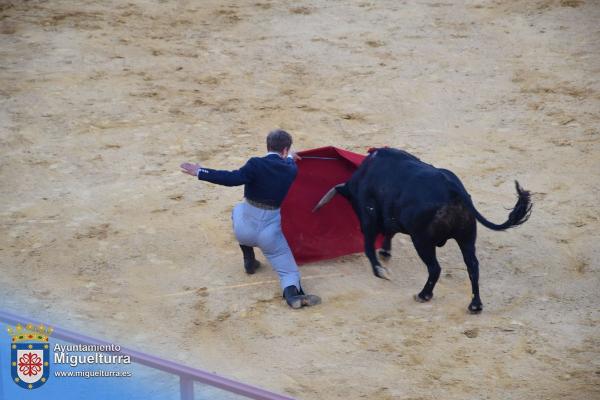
[{"x": 30, "y": 355}]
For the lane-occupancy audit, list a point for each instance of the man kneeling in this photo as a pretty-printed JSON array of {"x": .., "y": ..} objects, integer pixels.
[{"x": 257, "y": 220}]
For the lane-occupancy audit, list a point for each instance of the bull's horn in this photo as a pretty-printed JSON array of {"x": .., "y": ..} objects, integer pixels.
[{"x": 328, "y": 196}]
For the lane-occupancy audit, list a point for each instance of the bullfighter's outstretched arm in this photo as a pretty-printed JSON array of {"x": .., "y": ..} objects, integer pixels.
[{"x": 221, "y": 177}]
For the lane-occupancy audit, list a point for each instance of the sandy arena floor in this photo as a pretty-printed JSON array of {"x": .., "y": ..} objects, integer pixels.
[{"x": 101, "y": 101}]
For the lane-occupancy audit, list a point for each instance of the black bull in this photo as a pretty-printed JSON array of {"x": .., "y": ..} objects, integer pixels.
[{"x": 393, "y": 191}]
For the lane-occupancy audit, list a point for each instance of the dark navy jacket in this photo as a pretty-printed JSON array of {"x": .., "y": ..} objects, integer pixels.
[{"x": 266, "y": 179}]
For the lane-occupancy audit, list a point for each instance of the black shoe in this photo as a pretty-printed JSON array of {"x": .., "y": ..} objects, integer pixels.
[
  {"x": 297, "y": 299},
  {"x": 250, "y": 262},
  {"x": 251, "y": 266}
]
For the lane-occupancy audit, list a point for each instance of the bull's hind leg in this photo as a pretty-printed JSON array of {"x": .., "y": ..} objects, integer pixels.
[
  {"x": 467, "y": 247},
  {"x": 426, "y": 251},
  {"x": 386, "y": 247}
]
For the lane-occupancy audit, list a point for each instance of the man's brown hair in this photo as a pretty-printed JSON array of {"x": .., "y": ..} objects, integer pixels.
[{"x": 278, "y": 140}]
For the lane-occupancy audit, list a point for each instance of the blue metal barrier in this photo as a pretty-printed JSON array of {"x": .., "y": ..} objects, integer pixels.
[{"x": 187, "y": 375}]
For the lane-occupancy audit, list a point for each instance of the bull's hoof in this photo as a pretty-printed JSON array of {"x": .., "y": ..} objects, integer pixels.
[
  {"x": 422, "y": 298},
  {"x": 384, "y": 254},
  {"x": 382, "y": 272},
  {"x": 475, "y": 308}
]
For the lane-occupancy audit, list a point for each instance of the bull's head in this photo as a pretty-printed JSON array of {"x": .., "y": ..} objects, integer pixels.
[{"x": 347, "y": 192}]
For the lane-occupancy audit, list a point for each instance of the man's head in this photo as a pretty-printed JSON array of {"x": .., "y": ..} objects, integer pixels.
[{"x": 279, "y": 141}]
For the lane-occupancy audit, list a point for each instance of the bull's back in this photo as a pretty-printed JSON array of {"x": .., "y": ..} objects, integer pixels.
[
  {"x": 406, "y": 189},
  {"x": 427, "y": 204},
  {"x": 434, "y": 210},
  {"x": 386, "y": 170}
]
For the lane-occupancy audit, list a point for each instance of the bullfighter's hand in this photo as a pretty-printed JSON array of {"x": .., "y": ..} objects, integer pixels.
[
  {"x": 294, "y": 155},
  {"x": 189, "y": 168}
]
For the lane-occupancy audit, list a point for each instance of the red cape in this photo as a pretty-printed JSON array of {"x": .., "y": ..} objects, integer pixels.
[{"x": 334, "y": 229}]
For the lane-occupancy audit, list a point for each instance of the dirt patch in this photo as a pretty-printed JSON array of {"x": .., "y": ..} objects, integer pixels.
[{"x": 101, "y": 102}]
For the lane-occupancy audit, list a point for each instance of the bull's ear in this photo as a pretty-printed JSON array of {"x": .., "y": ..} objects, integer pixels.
[{"x": 343, "y": 190}]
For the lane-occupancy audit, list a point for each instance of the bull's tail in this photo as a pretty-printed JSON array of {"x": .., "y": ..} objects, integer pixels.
[{"x": 518, "y": 215}]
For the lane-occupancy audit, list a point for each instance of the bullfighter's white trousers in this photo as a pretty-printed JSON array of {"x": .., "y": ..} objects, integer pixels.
[{"x": 260, "y": 228}]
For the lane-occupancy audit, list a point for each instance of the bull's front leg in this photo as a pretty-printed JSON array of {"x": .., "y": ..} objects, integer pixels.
[
  {"x": 379, "y": 270},
  {"x": 386, "y": 247},
  {"x": 369, "y": 228}
]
